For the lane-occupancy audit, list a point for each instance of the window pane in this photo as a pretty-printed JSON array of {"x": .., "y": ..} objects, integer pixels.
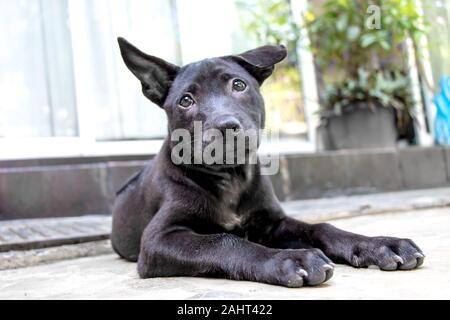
[
  {"x": 59, "y": 67},
  {"x": 438, "y": 15},
  {"x": 206, "y": 28},
  {"x": 24, "y": 106},
  {"x": 152, "y": 28},
  {"x": 109, "y": 96},
  {"x": 35, "y": 78}
]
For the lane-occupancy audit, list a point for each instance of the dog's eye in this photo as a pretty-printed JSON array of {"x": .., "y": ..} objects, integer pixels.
[
  {"x": 239, "y": 85},
  {"x": 186, "y": 101}
]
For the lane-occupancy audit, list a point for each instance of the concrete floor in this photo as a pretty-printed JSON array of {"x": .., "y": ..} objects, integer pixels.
[{"x": 108, "y": 277}]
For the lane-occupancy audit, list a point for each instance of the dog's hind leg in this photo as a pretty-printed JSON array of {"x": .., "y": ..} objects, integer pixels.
[{"x": 127, "y": 225}]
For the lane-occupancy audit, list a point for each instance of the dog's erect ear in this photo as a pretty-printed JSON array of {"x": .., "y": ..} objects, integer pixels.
[
  {"x": 155, "y": 74},
  {"x": 260, "y": 62}
]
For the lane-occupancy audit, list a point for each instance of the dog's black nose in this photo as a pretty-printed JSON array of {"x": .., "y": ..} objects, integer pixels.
[{"x": 229, "y": 124}]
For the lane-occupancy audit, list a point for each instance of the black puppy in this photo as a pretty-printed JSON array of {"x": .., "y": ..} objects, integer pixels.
[{"x": 224, "y": 220}]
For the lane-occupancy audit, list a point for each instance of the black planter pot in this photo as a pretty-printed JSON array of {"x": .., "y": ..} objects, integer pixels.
[{"x": 362, "y": 128}]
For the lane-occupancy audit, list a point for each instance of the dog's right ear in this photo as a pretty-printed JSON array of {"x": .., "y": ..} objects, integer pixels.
[{"x": 155, "y": 74}]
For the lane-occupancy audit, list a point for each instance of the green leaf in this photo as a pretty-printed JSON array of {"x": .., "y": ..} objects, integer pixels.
[
  {"x": 342, "y": 22},
  {"x": 282, "y": 20},
  {"x": 353, "y": 33},
  {"x": 368, "y": 39},
  {"x": 385, "y": 45}
]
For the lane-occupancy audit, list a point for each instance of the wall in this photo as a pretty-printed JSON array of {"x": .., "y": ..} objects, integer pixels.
[{"x": 80, "y": 186}]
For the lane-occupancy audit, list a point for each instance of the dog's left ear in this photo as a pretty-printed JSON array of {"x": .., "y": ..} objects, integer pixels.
[{"x": 260, "y": 62}]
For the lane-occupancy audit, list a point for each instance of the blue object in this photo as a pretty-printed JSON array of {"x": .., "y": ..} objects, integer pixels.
[{"x": 442, "y": 121}]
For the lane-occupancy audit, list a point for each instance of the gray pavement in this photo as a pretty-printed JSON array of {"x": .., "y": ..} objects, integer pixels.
[
  {"x": 108, "y": 277},
  {"x": 27, "y": 234}
]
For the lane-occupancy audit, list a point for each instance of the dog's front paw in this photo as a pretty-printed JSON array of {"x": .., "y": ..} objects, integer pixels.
[
  {"x": 387, "y": 253},
  {"x": 296, "y": 268}
]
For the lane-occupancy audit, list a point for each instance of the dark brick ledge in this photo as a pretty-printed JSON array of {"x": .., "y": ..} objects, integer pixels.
[{"x": 84, "y": 186}]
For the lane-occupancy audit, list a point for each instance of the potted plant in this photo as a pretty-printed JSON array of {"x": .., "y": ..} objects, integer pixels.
[
  {"x": 366, "y": 100},
  {"x": 371, "y": 110}
]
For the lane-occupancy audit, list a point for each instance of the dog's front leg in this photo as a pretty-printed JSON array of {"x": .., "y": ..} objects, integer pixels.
[
  {"x": 175, "y": 251},
  {"x": 344, "y": 247}
]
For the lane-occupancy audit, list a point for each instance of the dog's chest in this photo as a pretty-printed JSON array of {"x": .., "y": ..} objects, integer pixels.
[{"x": 229, "y": 217}]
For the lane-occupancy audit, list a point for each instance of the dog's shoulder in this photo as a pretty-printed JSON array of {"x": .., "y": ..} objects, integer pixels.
[
  {"x": 136, "y": 177},
  {"x": 131, "y": 181}
]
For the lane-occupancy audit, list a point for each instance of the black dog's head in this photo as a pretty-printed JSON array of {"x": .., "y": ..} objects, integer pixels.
[{"x": 221, "y": 93}]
